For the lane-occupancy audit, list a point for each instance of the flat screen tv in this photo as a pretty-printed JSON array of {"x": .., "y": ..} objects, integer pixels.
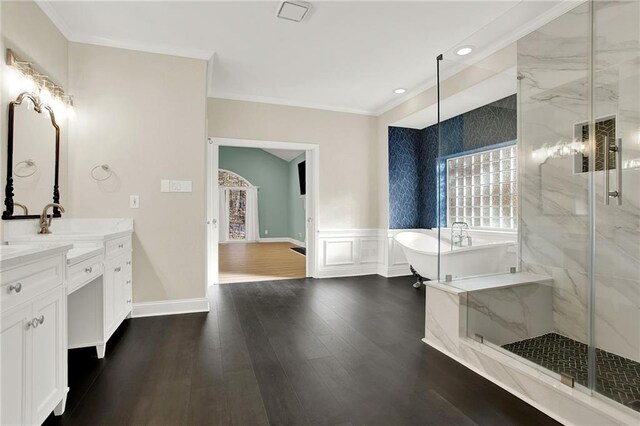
[{"x": 302, "y": 167}]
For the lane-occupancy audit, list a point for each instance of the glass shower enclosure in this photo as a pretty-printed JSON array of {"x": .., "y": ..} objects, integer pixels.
[{"x": 568, "y": 303}]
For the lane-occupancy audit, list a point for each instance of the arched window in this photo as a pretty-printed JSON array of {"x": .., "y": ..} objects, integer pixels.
[
  {"x": 230, "y": 179},
  {"x": 238, "y": 208}
]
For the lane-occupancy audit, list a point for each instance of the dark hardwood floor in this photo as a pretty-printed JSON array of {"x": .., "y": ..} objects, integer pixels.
[{"x": 331, "y": 352}]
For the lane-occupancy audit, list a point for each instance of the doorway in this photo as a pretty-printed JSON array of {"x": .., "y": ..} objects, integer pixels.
[{"x": 245, "y": 216}]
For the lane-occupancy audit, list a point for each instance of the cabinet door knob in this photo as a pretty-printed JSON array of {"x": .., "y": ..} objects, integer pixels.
[
  {"x": 128, "y": 300},
  {"x": 128, "y": 281},
  {"x": 17, "y": 287},
  {"x": 33, "y": 323},
  {"x": 120, "y": 245},
  {"x": 40, "y": 320},
  {"x": 118, "y": 269},
  {"x": 88, "y": 269}
]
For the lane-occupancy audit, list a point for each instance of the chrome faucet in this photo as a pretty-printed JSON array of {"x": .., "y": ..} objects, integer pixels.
[
  {"x": 22, "y": 206},
  {"x": 463, "y": 228},
  {"x": 45, "y": 219}
]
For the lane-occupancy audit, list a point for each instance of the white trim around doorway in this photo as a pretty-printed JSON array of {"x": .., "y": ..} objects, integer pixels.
[{"x": 311, "y": 200}]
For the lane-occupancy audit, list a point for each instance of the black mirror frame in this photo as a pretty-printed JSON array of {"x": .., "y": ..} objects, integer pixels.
[{"x": 8, "y": 192}]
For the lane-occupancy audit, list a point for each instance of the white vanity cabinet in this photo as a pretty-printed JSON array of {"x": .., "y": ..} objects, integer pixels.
[
  {"x": 117, "y": 286},
  {"x": 99, "y": 289},
  {"x": 33, "y": 335},
  {"x": 102, "y": 298}
]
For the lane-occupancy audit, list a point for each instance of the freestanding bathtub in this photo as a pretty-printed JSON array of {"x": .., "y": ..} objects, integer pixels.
[{"x": 421, "y": 251}]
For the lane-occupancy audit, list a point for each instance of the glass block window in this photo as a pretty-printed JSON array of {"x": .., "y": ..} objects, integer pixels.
[{"x": 482, "y": 189}]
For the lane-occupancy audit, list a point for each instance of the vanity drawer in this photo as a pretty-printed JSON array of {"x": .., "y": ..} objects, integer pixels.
[
  {"x": 117, "y": 247},
  {"x": 25, "y": 282},
  {"x": 83, "y": 272}
]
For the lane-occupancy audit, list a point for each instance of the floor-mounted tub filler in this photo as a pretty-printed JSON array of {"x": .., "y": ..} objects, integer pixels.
[{"x": 421, "y": 251}]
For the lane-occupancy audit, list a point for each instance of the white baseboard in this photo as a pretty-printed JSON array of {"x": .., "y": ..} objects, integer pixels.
[
  {"x": 169, "y": 307},
  {"x": 282, "y": 240},
  {"x": 274, "y": 240},
  {"x": 351, "y": 271},
  {"x": 394, "y": 271},
  {"x": 297, "y": 242}
]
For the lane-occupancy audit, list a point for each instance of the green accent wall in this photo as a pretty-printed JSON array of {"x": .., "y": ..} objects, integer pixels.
[
  {"x": 280, "y": 208},
  {"x": 296, "y": 202}
]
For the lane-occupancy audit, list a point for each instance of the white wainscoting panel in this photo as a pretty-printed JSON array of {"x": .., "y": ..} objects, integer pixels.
[
  {"x": 374, "y": 251},
  {"x": 348, "y": 252},
  {"x": 338, "y": 252}
]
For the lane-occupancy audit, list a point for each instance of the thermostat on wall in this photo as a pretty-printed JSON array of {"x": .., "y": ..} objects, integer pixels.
[{"x": 175, "y": 186}]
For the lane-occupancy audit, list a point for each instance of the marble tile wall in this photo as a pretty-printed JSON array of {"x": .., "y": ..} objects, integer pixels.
[
  {"x": 507, "y": 315},
  {"x": 554, "y": 100}
]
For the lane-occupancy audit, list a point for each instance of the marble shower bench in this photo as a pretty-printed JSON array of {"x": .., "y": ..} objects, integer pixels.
[{"x": 469, "y": 319}]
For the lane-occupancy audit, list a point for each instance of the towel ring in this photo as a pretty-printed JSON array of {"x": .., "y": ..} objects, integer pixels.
[
  {"x": 28, "y": 163},
  {"x": 104, "y": 167}
]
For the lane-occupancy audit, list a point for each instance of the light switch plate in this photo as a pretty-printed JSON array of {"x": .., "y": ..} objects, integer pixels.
[
  {"x": 165, "y": 186},
  {"x": 176, "y": 186},
  {"x": 134, "y": 201}
]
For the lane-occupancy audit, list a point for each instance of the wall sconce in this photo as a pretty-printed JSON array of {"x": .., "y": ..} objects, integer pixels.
[{"x": 32, "y": 81}]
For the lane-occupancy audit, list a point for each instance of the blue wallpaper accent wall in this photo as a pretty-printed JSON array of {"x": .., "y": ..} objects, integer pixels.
[
  {"x": 403, "y": 177},
  {"x": 414, "y": 163}
]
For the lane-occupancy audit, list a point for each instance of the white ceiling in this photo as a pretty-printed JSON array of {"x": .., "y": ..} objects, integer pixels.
[
  {"x": 344, "y": 56},
  {"x": 284, "y": 154},
  {"x": 490, "y": 90}
]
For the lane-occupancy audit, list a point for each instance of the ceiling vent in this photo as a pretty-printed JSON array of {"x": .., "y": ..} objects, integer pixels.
[{"x": 293, "y": 11}]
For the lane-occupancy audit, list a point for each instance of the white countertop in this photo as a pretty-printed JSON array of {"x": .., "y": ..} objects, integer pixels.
[
  {"x": 488, "y": 282},
  {"x": 16, "y": 255},
  {"x": 79, "y": 254},
  {"x": 68, "y": 236}
]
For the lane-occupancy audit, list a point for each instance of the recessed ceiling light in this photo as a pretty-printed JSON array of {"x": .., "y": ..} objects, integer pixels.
[
  {"x": 464, "y": 50},
  {"x": 399, "y": 91},
  {"x": 293, "y": 11}
]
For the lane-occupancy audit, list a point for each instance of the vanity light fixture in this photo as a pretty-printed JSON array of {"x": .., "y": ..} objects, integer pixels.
[
  {"x": 464, "y": 50},
  {"x": 400, "y": 91},
  {"x": 32, "y": 81}
]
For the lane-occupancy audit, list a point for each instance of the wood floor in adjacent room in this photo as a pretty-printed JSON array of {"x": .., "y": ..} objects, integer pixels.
[
  {"x": 320, "y": 352},
  {"x": 249, "y": 262}
]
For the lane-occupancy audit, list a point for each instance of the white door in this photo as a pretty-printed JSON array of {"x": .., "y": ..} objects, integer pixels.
[
  {"x": 213, "y": 213},
  {"x": 49, "y": 349},
  {"x": 15, "y": 346}
]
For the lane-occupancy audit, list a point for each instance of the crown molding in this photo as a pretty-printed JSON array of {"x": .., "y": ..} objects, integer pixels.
[
  {"x": 160, "y": 49},
  {"x": 47, "y": 7},
  {"x": 283, "y": 102}
]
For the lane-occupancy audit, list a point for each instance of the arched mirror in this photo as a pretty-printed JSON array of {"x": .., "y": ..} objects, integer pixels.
[{"x": 33, "y": 152}]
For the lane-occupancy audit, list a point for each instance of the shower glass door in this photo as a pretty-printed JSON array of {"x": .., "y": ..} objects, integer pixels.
[
  {"x": 615, "y": 308},
  {"x": 574, "y": 198}
]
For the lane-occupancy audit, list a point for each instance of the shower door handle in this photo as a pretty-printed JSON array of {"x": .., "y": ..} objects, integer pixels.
[
  {"x": 617, "y": 149},
  {"x": 605, "y": 171}
]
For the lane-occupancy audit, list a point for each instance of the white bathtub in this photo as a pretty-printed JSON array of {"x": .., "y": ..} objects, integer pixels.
[{"x": 421, "y": 251}]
